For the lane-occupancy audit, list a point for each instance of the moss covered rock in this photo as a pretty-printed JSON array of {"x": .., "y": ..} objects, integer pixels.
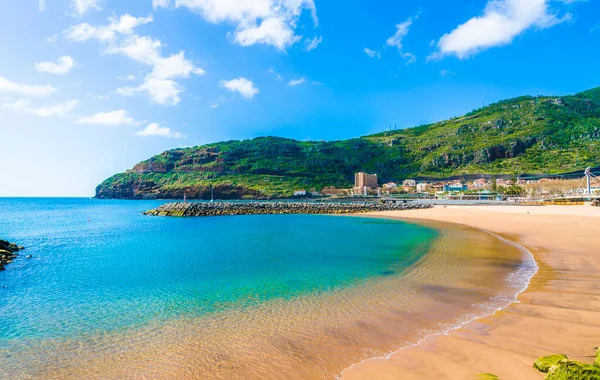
[
  {"x": 573, "y": 370},
  {"x": 544, "y": 363}
]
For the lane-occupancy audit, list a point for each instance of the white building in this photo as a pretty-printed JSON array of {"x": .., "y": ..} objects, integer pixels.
[{"x": 409, "y": 182}]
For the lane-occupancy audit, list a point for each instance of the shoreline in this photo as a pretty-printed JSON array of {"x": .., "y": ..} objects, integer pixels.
[
  {"x": 504, "y": 343},
  {"x": 534, "y": 269}
]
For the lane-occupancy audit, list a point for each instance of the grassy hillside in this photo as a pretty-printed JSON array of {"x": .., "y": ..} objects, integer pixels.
[{"x": 521, "y": 135}]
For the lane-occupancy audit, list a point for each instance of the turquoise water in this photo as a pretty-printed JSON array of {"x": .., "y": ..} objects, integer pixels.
[{"x": 101, "y": 266}]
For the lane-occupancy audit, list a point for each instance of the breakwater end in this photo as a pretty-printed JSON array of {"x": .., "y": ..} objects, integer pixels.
[
  {"x": 8, "y": 251},
  {"x": 258, "y": 208}
]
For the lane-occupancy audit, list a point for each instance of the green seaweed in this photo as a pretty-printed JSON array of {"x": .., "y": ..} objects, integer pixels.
[
  {"x": 487, "y": 376},
  {"x": 544, "y": 363},
  {"x": 573, "y": 370}
]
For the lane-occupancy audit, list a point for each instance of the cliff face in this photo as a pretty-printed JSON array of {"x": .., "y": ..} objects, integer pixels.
[{"x": 521, "y": 135}]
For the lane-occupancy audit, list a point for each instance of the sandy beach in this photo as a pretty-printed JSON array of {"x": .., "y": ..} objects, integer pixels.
[{"x": 557, "y": 313}]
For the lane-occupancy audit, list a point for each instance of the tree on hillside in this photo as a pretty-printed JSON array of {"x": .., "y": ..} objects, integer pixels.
[{"x": 493, "y": 184}]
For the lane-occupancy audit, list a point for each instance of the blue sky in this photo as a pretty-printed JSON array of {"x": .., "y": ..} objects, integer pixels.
[{"x": 88, "y": 88}]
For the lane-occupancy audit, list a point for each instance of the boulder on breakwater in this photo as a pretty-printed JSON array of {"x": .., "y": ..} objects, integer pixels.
[
  {"x": 257, "y": 208},
  {"x": 8, "y": 251}
]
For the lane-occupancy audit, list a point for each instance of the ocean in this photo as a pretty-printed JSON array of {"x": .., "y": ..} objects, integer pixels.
[{"x": 111, "y": 293}]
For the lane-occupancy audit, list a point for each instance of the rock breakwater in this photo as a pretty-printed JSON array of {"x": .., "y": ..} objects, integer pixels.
[
  {"x": 8, "y": 251},
  {"x": 256, "y": 208}
]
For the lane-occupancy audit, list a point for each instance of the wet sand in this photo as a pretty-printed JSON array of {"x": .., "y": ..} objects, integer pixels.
[{"x": 558, "y": 313}]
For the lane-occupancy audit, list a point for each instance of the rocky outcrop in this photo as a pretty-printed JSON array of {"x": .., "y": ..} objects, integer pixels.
[
  {"x": 257, "y": 208},
  {"x": 8, "y": 252}
]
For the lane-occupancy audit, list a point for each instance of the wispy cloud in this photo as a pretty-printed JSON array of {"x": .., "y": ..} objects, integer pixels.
[
  {"x": 24, "y": 89},
  {"x": 60, "y": 109},
  {"x": 372, "y": 53},
  {"x": 397, "y": 40},
  {"x": 297, "y": 82},
  {"x": 312, "y": 44},
  {"x": 111, "y": 119},
  {"x": 275, "y": 73},
  {"x": 446, "y": 73},
  {"x": 81, "y": 7},
  {"x": 154, "y": 129}
]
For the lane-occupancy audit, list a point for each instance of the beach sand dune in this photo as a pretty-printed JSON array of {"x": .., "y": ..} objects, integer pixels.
[{"x": 558, "y": 313}]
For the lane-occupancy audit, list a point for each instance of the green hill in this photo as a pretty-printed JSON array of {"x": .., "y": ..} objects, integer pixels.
[{"x": 521, "y": 135}]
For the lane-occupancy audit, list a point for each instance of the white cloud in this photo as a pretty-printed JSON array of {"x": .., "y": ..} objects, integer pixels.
[
  {"x": 24, "y": 89},
  {"x": 61, "y": 67},
  {"x": 155, "y": 129},
  {"x": 124, "y": 25},
  {"x": 61, "y": 109},
  {"x": 297, "y": 82},
  {"x": 397, "y": 40},
  {"x": 243, "y": 86},
  {"x": 214, "y": 105},
  {"x": 98, "y": 97},
  {"x": 160, "y": 4},
  {"x": 129, "y": 77},
  {"x": 81, "y": 7},
  {"x": 372, "y": 53},
  {"x": 501, "y": 22},
  {"x": 42, "y": 5},
  {"x": 119, "y": 36},
  {"x": 111, "y": 118},
  {"x": 159, "y": 83},
  {"x": 270, "y": 22},
  {"x": 312, "y": 44},
  {"x": 446, "y": 73}
]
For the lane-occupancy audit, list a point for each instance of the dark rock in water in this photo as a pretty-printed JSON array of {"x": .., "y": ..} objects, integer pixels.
[{"x": 7, "y": 252}]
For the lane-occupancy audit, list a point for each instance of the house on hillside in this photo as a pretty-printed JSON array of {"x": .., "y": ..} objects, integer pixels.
[{"x": 479, "y": 183}]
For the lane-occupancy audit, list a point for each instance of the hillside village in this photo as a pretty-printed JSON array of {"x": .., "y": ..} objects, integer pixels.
[{"x": 484, "y": 188}]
